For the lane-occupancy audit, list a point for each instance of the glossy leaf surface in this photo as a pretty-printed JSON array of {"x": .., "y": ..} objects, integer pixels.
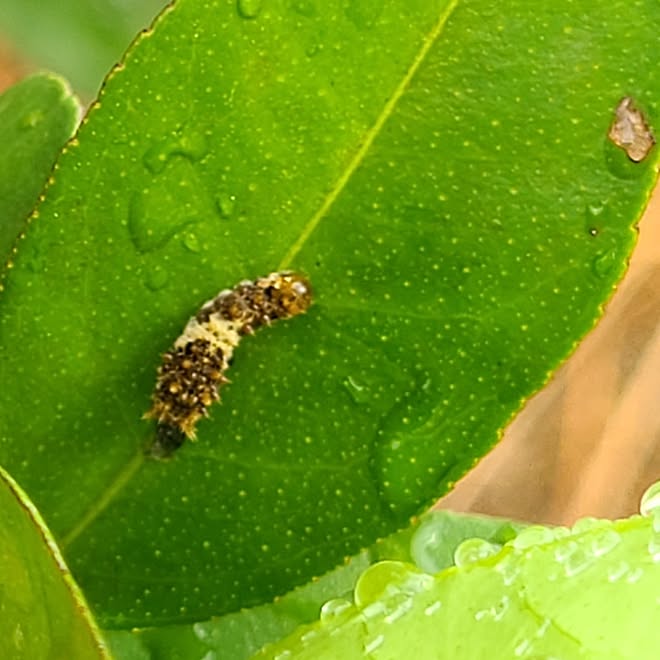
[
  {"x": 585, "y": 593},
  {"x": 37, "y": 116},
  {"x": 42, "y": 613},
  {"x": 429, "y": 543},
  {"x": 440, "y": 170}
]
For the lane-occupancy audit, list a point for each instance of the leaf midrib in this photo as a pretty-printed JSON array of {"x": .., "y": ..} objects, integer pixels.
[{"x": 371, "y": 135}]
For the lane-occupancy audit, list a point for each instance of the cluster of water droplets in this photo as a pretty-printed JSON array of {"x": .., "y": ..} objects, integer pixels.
[
  {"x": 649, "y": 507},
  {"x": 388, "y": 591}
]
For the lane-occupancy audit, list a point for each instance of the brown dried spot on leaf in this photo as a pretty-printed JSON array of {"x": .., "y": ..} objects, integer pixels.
[{"x": 631, "y": 131}]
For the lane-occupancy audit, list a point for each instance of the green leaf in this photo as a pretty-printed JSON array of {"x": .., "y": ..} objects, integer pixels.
[
  {"x": 81, "y": 39},
  {"x": 590, "y": 592},
  {"x": 441, "y": 172},
  {"x": 43, "y": 613},
  {"x": 37, "y": 116},
  {"x": 429, "y": 543}
]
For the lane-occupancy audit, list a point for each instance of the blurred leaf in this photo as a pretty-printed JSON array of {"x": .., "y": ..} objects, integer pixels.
[
  {"x": 80, "y": 39},
  {"x": 587, "y": 593},
  {"x": 42, "y": 613},
  {"x": 429, "y": 543},
  {"x": 441, "y": 172},
  {"x": 37, "y": 116}
]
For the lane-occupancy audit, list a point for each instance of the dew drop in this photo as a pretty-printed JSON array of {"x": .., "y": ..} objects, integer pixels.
[
  {"x": 433, "y": 608},
  {"x": 560, "y": 532},
  {"x": 509, "y": 569},
  {"x": 577, "y": 562},
  {"x": 304, "y": 8},
  {"x": 405, "y": 440},
  {"x": 18, "y": 638},
  {"x": 650, "y": 500},
  {"x": 565, "y": 550},
  {"x": 387, "y": 578},
  {"x": 189, "y": 145},
  {"x": 335, "y": 609},
  {"x": 618, "y": 571},
  {"x": 494, "y": 612},
  {"x": 32, "y": 119},
  {"x": 248, "y": 8},
  {"x": 363, "y": 13},
  {"x": 191, "y": 242},
  {"x": 654, "y": 547},
  {"x": 427, "y": 548},
  {"x": 594, "y": 210},
  {"x": 225, "y": 204},
  {"x": 371, "y": 645},
  {"x": 359, "y": 391},
  {"x": 374, "y": 610},
  {"x": 604, "y": 541},
  {"x": 397, "y": 606},
  {"x": 595, "y": 215},
  {"x": 473, "y": 550},
  {"x": 374, "y": 582},
  {"x": 156, "y": 278},
  {"x": 589, "y": 523},
  {"x": 604, "y": 263},
  {"x": 307, "y": 637},
  {"x": 202, "y": 632},
  {"x": 531, "y": 536},
  {"x": 522, "y": 647},
  {"x": 151, "y": 224}
]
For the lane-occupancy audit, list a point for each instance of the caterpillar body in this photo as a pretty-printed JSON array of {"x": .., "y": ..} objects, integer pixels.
[{"x": 193, "y": 370}]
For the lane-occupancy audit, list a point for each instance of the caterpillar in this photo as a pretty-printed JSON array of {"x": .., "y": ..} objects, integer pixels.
[{"x": 193, "y": 370}]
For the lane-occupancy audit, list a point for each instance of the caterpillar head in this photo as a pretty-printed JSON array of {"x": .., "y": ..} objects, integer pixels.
[{"x": 290, "y": 292}]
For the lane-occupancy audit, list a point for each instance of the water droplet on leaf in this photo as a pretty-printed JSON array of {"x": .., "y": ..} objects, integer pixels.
[
  {"x": 618, "y": 571},
  {"x": 191, "y": 242},
  {"x": 604, "y": 263},
  {"x": 650, "y": 501},
  {"x": 304, "y": 8},
  {"x": 473, "y": 550},
  {"x": 427, "y": 547},
  {"x": 155, "y": 216},
  {"x": 531, "y": 536},
  {"x": 604, "y": 541},
  {"x": 359, "y": 392},
  {"x": 157, "y": 278},
  {"x": 248, "y": 8},
  {"x": 32, "y": 119},
  {"x": 388, "y": 578},
  {"x": 225, "y": 204},
  {"x": 335, "y": 609},
  {"x": 371, "y": 645},
  {"x": 408, "y": 458},
  {"x": 313, "y": 49},
  {"x": 397, "y": 606},
  {"x": 191, "y": 146},
  {"x": 363, "y": 13}
]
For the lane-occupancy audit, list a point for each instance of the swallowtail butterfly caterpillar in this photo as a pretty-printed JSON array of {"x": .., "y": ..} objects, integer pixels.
[{"x": 193, "y": 370}]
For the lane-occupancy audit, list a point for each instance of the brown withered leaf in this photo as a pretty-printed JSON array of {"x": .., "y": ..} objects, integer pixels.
[{"x": 631, "y": 131}]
